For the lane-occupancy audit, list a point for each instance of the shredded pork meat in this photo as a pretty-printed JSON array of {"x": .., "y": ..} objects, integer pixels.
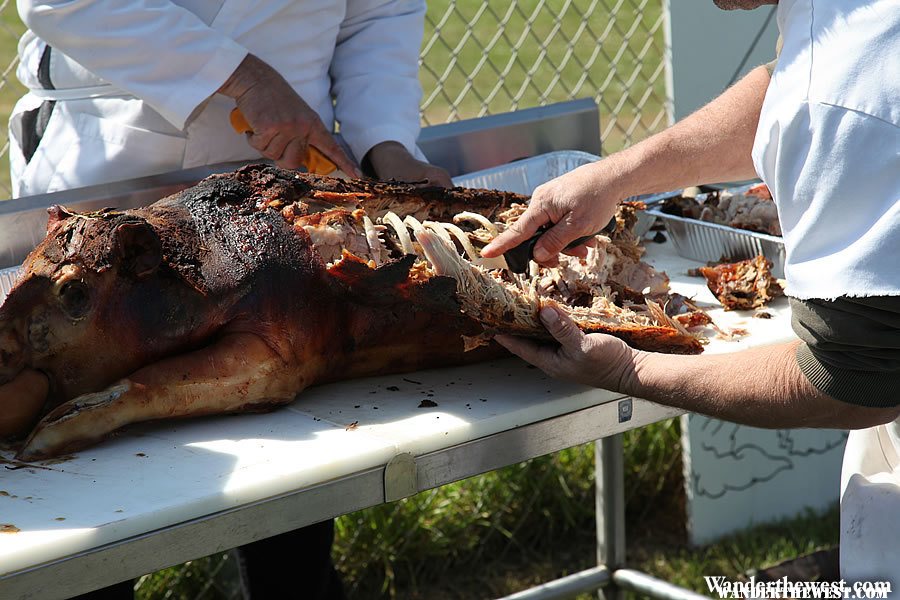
[
  {"x": 754, "y": 210},
  {"x": 609, "y": 290}
]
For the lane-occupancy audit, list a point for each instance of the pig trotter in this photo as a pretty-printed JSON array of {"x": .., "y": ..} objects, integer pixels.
[
  {"x": 76, "y": 424},
  {"x": 239, "y": 372}
]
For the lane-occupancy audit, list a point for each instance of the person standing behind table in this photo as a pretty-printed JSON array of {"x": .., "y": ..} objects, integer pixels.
[
  {"x": 823, "y": 132},
  {"x": 127, "y": 88},
  {"x": 119, "y": 89}
]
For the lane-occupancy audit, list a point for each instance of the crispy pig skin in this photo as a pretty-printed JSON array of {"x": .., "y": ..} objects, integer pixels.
[
  {"x": 743, "y": 285},
  {"x": 216, "y": 300}
]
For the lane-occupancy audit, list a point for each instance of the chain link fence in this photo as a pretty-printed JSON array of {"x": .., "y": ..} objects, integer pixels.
[
  {"x": 478, "y": 58},
  {"x": 481, "y": 58}
]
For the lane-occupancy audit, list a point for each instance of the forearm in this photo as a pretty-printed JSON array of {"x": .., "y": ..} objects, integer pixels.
[
  {"x": 713, "y": 144},
  {"x": 761, "y": 387}
]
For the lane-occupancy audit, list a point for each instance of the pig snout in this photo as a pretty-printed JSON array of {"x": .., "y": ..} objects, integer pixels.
[
  {"x": 23, "y": 391},
  {"x": 12, "y": 354}
]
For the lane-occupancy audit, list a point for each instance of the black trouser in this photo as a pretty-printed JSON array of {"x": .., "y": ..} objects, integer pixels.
[{"x": 296, "y": 564}]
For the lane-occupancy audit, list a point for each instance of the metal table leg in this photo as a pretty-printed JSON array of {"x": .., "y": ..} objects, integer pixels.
[{"x": 610, "y": 510}]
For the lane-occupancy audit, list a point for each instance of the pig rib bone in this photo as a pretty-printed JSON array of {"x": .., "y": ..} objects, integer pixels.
[
  {"x": 480, "y": 219},
  {"x": 375, "y": 246},
  {"x": 394, "y": 221},
  {"x": 515, "y": 308},
  {"x": 461, "y": 236},
  {"x": 481, "y": 295}
]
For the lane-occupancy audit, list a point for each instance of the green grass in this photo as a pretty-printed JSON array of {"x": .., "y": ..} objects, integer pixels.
[
  {"x": 504, "y": 531},
  {"x": 735, "y": 556}
]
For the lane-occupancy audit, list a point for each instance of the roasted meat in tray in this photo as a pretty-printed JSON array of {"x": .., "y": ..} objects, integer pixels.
[{"x": 751, "y": 210}]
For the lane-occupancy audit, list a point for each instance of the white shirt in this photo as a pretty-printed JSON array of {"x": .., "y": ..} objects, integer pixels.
[
  {"x": 828, "y": 146},
  {"x": 139, "y": 78}
]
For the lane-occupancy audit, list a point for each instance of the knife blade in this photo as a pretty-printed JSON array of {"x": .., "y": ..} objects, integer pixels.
[
  {"x": 517, "y": 258},
  {"x": 315, "y": 161}
]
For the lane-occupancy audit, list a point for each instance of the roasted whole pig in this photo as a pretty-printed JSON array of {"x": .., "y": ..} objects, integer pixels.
[{"x": 238, "y": 293}]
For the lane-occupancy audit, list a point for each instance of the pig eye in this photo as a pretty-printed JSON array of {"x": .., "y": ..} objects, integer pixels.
[{"x": 74, "y": 298}]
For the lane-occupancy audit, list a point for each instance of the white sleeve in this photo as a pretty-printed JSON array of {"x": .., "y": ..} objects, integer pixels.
[
  {"x": 153, "y": 49},
  {"x": 375, "y": 73}
]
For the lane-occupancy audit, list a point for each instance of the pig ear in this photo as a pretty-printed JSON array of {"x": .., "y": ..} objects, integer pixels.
[
  {"x": 138, "y": 247},
  {"x": 57, "y": 214}
]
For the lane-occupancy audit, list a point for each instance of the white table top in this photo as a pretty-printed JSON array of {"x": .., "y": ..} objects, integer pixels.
[{"x": 160, "y": 474}]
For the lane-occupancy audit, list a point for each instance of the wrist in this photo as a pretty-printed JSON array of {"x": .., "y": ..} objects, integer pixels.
[
  {"x": 250, "y": 73},
  {"x": 380, "y": 156},
  {"x": 630, "y": 376}
]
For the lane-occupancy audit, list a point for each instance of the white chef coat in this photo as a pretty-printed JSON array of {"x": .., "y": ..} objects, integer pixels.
[
  {"x": 135, "y": 80},
  {"x": 828, "y": 146}
]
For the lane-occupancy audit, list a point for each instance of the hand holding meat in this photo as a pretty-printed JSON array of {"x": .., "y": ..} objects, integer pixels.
[
  {"x": 578, "y": 203},
  {"x": 283, "y": 124},
  {"x": 391, "y": 160},
  {"x": 595, "y": 359}
]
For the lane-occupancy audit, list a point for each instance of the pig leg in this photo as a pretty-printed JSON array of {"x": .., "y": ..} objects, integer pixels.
[{"x": 238, "y": 372}]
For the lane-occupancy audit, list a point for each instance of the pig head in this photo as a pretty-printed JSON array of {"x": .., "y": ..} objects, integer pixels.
[{"x": 96, "y": 301}]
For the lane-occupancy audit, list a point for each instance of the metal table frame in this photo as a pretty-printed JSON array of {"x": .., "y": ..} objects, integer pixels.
[{"x": 402, "y": 476}]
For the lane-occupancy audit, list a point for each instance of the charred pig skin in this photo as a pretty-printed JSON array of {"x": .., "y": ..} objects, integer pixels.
[{"x": 233, "y": 295}]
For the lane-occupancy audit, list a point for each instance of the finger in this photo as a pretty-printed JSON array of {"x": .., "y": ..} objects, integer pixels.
[
  {"x": 538, "y": 355},
  {"x": 556, "y": 239},
  {"x": 517, "y": 233},
  {"x": 259, "y": 140},
  {"x": 440, "y": 178},
  {"x": 562, "y": 328},
  {"x": 327, "y": 145},
  {"x": 581, "y": 251},
  {"x": 294, "y": 155},
  {"x": 276, "y": 146}
]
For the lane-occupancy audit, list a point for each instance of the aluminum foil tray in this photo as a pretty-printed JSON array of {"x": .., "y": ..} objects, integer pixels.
[
  {"x": 8, "y": 277},
  {"x": 523, "y": 176},
  {"x": 708, "y": 242}
]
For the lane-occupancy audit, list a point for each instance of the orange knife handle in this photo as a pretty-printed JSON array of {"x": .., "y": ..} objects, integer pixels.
[
  {"x": 316, "y": 162},
  {"x": 239, "y": 122}
]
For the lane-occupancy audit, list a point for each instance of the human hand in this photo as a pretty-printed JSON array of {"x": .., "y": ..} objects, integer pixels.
[
  {"x": 578, "y": 203},
  {"x": 594, "y": 359},
  {"x": 283, "y": 124},
  {"x": 391, "y": 160}
]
